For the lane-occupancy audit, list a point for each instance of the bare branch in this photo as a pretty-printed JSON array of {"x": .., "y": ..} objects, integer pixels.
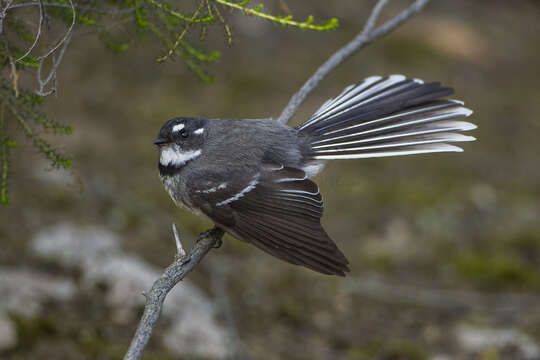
[
  {"x": 52, "y": 73},
  {"x": 360, "y": 41},
  {"x": 38, "y": 35},
  {"x": 66, "y": 35},
  {"x": 161, "y": 287},
  {"x": 81, "y": 8},
  {"x": 62, "y": 44},
  {"x": 372, "y": 20},
  {"x": 179, "y": 249},
  {"x": 3, "y": 14}
]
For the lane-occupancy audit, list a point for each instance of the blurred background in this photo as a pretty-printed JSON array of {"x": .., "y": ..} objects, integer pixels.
[{"x": 444, "y": 248}]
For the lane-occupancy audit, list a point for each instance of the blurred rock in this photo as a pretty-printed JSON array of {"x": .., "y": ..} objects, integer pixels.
[
  {"x": 194, "y": 330},
  {"x": 25, "y": 291},
  {"x": 8, "y": 333},
  {"x": 72, "y": 245},
  {"x": 60, "y": 177},
  {"x": 477, "y": 339},
  {"x": 395, "y": 241},
  {"x": 483, "y": 196}
]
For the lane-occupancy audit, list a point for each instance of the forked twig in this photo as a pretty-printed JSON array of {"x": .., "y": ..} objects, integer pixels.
[
  {"x": 173, "y": 274},
  {"x": 38, "y": 35},
  {"x": 361, "y": 40}
]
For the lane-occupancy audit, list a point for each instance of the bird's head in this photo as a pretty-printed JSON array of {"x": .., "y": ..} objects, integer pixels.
[{"x": 181, "y": 140}]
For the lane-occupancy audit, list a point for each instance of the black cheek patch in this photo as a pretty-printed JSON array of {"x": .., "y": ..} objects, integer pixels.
[{"x": 168, "y": 170}]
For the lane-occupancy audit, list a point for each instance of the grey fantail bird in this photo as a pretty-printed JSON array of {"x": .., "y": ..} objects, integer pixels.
[{"x": 251, "y": 177}]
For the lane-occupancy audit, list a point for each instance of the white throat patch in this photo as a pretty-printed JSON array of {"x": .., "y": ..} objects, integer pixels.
[{"x": 173, "y": 155}]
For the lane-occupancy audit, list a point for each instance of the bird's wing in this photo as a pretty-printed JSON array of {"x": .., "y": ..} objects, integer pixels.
[{"x": 278, "y": 210}]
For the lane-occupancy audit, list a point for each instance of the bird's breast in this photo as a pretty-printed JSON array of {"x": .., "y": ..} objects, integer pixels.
[{"x": 176, "y": 188}]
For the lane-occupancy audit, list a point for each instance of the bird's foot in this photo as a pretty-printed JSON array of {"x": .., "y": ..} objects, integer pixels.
[
  {"x": 216, "y": 233},
  {"x": 218, "y": 243}
]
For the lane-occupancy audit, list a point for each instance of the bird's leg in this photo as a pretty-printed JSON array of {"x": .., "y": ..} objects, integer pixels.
[{"x": 216, "y": 233}]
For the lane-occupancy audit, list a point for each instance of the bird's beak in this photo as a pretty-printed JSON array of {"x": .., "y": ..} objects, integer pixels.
[{"x": 160, "y": 141}]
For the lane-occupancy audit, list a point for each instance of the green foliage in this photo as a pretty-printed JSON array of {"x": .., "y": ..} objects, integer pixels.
[
  {"x": 496, "y": 271},
  {"x": 331, "y": 24},
  {"x": 502, "y": 260},
  {"x": 23, "y": 107},
  {"x": 113, "y": 44},
  {"x": 30, "y": 330},
  {"x": 28, "y": 45}
]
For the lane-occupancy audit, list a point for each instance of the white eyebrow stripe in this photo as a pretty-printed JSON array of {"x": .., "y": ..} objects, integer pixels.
[
  {"x": 178, "y": 127},
  {"x": 198, "y": 131}
]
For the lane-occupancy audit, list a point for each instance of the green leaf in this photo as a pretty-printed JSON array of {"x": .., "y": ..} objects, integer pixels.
[
  {"x": 140, "y": 15},
  {"x": 85, "y": 20},
  {"x": 114, "y": 45}
]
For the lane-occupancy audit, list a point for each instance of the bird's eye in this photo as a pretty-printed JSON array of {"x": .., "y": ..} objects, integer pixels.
[{"x": 184, "y": 134}]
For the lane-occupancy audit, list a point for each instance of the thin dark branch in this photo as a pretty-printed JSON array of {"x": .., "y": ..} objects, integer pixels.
[
  {"x": 80, "y": 8},
  {"x": 360, "y": 41},
  {"x": 161, "y": 287}
]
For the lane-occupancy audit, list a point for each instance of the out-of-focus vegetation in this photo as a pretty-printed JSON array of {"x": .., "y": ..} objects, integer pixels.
[
  {"x": 24, "y": 32},
  {"x": 462, "y": 228}
]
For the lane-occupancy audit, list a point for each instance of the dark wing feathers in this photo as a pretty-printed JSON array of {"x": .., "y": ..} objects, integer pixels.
[
  {"x": 280, "y": 213},
  {"x": 286, "y": 245}
]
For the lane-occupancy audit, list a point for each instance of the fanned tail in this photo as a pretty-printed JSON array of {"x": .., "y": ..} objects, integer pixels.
[{"x": 387, "y": 116}]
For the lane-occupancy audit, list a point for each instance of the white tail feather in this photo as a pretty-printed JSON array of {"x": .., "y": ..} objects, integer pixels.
[
  {"x": 451, "y": 137},
  {"x": 437, "y": 116},
  {"x": 345, "y": 95},
  {"x": 402, "y": 114},
  {"x": 404, "y": 124},
  {"x": 421, "y": 149},
  {"x": 401, "y": 117},
  {"x": 439, "y": 136},
  {"x": 441, "y": 126}
]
